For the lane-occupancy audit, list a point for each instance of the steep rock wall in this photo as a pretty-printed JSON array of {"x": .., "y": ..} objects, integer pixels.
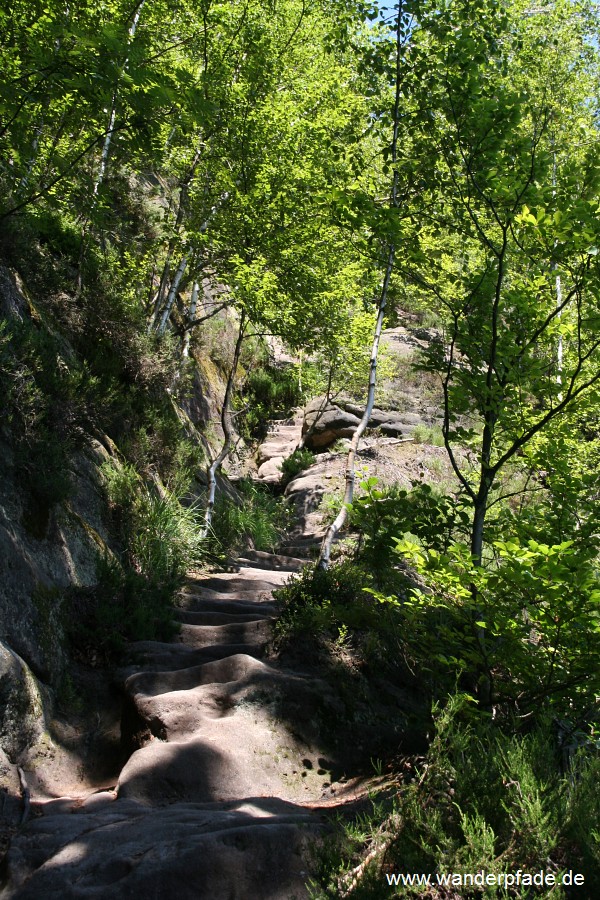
[{"x": 47, "y": 549}]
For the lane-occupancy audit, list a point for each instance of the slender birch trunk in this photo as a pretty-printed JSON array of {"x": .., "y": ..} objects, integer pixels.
[
  {"x": 558, "y": 289},
  {"x": 115, "y": 97},
  {"x": 159, "y": 299},
  {"x": 185, "y": 350},
  {"x": 166, "y": 312},
  {"x": 227, "y": 430},
  {"x": 341, "y": 517},
  {"x": 171, "y": 296}
]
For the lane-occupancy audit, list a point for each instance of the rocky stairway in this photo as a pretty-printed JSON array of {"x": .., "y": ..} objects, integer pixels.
[
  {"x": 219, "y": 797},
  {"x": 283, "y": 438}
]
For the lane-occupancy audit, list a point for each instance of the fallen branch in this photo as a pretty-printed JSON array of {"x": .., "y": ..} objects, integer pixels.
[{"x": 348, "y": 882}]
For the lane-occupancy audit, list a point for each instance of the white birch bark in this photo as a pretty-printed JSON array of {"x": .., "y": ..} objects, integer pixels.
[
  {"x": 185, "y": 350},
  {"x": 166, "y": 312},
  {"x": 113, "y": 110},
  {"x": 341, "y": 517},
  {"x": 171, "y": 296},
  {"x": 159, "y": 298},
  {"x": 558, "y": 289}
]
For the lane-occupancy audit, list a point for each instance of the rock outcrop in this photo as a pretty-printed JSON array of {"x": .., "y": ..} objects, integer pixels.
[
  {"x": 326, "y": 422},
  {"x": 44, "y": 551},
  {"x": 283, "y": 438}
]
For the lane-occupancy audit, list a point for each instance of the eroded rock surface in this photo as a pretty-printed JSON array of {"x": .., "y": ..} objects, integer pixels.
[
  {"x": 214, "y": 799},
  {"x": 327, "y": 422},
  {"x": 284, "y": 437}
]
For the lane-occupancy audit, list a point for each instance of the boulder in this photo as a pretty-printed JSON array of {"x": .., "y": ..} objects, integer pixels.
[
  {"x": 325, "y": 422},
  {"x": 271, "y": 469},
  {"x": 390, "y": 422},
  {"x": 21, "y": 709},
  {"x": 274, "y": 449}
]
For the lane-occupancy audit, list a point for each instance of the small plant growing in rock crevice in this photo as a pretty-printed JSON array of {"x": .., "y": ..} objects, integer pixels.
[
  {"x": 299, "y": 460},
  {"x": 323, "y": 602}
]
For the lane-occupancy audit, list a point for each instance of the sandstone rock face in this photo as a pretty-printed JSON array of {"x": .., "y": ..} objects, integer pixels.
[
  {"x": 283, "y": 438},
  {"x": 43, "y": 551},
  {"x": 324, "y": 423},
  {"x": 21, "y": 726},
  {"x": 11, "y": 803},
  {"x": 214, "y": 801},
  {"x": 13, "y": 301},
  {"x": 42, "y": 554},
  {"x": 21, "y": 711}
]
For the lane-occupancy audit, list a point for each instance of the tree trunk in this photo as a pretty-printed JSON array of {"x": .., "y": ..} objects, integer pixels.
[
  {"x": 227, "y": 430},
  {"x": 157, "y": 304},
  {"x": 113, "y": 109},
  {"x": 172, "y": 295},
  {"x": 159, "y": 297},
  {"x": 484, "y": 686},
  {"x": 162, "y": 326},
  {"x": 341, "y": 517},
  {"x": 185, "y": 350},
  {"x": 479, "y": 512}
]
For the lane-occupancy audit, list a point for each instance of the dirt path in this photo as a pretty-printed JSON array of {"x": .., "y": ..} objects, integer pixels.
[{"x": 218, "y": 797}]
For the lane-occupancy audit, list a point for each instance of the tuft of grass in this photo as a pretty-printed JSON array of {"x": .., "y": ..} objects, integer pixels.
[
  {"x": 161, "y": 536},
  {"x": 425, "y": 434},
  {"x": 255, "y": 519}
]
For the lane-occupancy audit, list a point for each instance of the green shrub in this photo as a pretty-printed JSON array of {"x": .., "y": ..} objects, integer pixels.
[
  {"x": 162, "y": 534},
  {"x": 133, "y": 598},
  {"x": 268, "y": 392},
  {"x": 382, "y": 515},
  {"x": 527, "y": 623},
  {"x": 125, "y": 605},
  {"x": 324, "y": 602},
  {"x": 298, "y": 461},
  {"x": 50, "y": 399},
  {"x": 481, "y": 799},
  {"x": 255, "y": 518},
  {"x": 84, "y": 361},
  {"x": 57, "y": 233},
  {"x": 425, "y": 434}
]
